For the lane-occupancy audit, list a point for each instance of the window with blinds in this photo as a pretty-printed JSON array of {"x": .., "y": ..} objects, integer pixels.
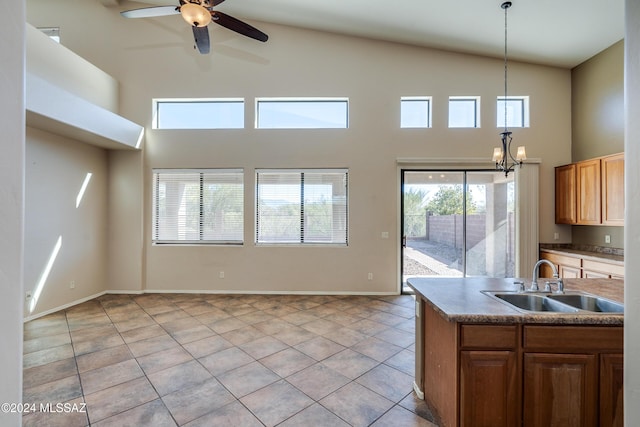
[
  {"x": 198, "y": 206},
  {"x": 302, "y": 206}
]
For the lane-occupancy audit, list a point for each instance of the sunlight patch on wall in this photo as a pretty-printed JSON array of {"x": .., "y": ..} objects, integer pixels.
[
  {"x": 45, "y": 275},
  {"x": 85, "y": 183}
]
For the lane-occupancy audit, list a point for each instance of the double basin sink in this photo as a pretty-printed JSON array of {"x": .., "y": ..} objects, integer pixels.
[{"x": 570, "y": 302}]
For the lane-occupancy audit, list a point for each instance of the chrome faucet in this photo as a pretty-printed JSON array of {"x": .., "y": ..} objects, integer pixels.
[{"x": 547, "y": 288}]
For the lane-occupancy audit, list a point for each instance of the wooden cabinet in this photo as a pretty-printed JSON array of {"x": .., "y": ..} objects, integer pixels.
[
  {"x": 566, "y": 189},
  {"x": 488, "y": 388},
  {"x": 612, "y": 171},
  {"x": 517, "y": 375},
  {"x": 611, "y": 377},
  {"x": 574, "y": 266},
  {"x": 588, "y": 183},
  {"x": 560, "y": 390},
  {"x": 590, "y": 192}
]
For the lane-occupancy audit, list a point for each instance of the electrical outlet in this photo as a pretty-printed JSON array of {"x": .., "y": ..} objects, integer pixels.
[
  {"x": 607, "y": 238},
  {"x": 28, "y": 295},
  {"x": 221, "y": 275},
  {"x": 556, "y": 236},
  {"x": 384, "y": 234},
  {"x": 72, "y": 284},
  {"x": 370, "y": 276}
]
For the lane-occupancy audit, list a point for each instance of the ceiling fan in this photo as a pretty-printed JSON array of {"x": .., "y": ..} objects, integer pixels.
[{"x": 198, "y": 14}]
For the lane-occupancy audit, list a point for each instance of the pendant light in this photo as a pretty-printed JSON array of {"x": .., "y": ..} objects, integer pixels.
[{"x": 502, "y": 156}]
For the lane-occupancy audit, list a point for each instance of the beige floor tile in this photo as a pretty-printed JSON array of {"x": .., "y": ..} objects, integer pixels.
[
  {"x": 109, "y": 376},
  {"x": 48, "y": 355},
  {"x": 387, "y": 382},
  {"x": 225, "y": 360},
  {"x": 46, "y": 342},
  {"x": 399, "y": 416},
  {"x": 102, "y": 358},
  {"x": 206, "y": 346},
  {"x": 152, "y": 413},
  {"x": 50, "y": 328},
  {"x": 316, "y": 416},
  {"x": 287, "y": 362},
  {"x": 233, "y": 414},
  {"x": 53, "y": 371},
  {"x": 190, "y": 403},
  {"x": 56, "y": 391},
  {"x": 247, "y": 379},
  {"x": 293, "y": 335},
  {"x": 396, "y": 337},
  {"x": 350, "y": 363},
  {"x": 263, "y": 347},
  {"x": 184, "y": 336},
  {"x": 376, "y": 349},
  {"x": 139, "y": 322},
  {"x": 226, "y": 325},
  {"x": 97, "y": 332},
  {"x": 120, "y": 398},
  {"x": 356, "y": 404},
  {"x": 276, "y": 402},
  {"x": 318, "y": 381},
  {"x": 179, "y": 376},
  {"x": 403, "y": 361},
  {"x": 164, "y": 359},
  {"x": 151, "y": 345},
  {"x": 243, "y": 335},
  {"x": 319, "y": 348},
  {"x": 142, "y": 333}
]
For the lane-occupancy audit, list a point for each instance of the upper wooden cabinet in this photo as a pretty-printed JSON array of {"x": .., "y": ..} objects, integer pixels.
[
  {"x": 588, "y": 195},
  {"x": 591, "y": 192},
  {"x": 612, "y": 171},
  {"x": 566, "y": 190}
]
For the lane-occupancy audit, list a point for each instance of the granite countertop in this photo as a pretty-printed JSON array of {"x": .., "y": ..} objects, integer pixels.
[
  {"x": 461, "y": 300},
  {"x": 584, "y": 253}
]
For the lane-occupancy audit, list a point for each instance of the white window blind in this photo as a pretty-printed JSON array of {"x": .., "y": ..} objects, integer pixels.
[
  {"x": 302, "y": 206},
  {"x": 198, "y": 206}
]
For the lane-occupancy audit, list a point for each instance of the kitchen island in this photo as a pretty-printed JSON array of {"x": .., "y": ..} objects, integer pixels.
[{"x": 483, "y": 362}]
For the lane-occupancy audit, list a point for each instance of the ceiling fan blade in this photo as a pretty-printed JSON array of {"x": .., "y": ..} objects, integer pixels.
[
  {"x": 238, "y": 26},
  {"x": 150, "y": 12},
  {"x": 201, "y": 36},
  {"x": 215, "y": 2}
]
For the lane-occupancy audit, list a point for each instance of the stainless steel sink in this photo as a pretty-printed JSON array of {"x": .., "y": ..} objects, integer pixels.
[
  {"x": 531, "y": 302},
  {"x": 589, "y": 303},
  {"x": 574, "y": 302}
]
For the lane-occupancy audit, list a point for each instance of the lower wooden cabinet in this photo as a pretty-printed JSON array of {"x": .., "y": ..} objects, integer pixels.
[
  {"x": 611, "y": 377},
  {"x": 513, "y": 375},
  {"x": 560, "y": 390},
  {"x": 572, "y": 266},
  {"x": 489, "y": 389}
]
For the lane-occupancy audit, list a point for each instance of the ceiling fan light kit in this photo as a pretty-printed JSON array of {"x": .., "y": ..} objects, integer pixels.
[
  {"x": 195, "y": 14},
  {"x": 199, "y": 14}
]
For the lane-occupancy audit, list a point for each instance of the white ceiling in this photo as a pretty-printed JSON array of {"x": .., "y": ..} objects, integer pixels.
[{"x": 560, "y": 32}]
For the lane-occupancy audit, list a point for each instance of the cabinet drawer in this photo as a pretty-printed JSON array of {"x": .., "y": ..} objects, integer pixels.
[
  {"x": 568, "y": 339},
  {"x": 603, "y": 267},
  {"x": 563, "y": 260},
  {"x": 488, "y": 336}
]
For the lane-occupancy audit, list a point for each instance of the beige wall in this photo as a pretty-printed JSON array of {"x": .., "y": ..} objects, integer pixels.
[
  {"x": 12, "y": 119},
  {"x": 154, "y": 58},
  {"x": 597, "y": 105},
  {"x": 55, "y": 170}
]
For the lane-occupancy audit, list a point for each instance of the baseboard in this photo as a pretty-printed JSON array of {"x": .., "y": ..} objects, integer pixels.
[{"x": 419, "y": 393}]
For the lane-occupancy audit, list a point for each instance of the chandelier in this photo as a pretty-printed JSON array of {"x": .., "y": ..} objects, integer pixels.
[{"x": 502, "y": 156}]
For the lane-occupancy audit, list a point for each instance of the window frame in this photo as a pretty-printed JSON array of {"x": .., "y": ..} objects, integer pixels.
[
  {"x": 156, "y": 102},
  {"x": 476, "y": 101},
  {"x": 302, "y": 100},
  {"x": 300, "y": 242},
  {"x": 525, "y": 112},
  {"x": 428, "y": 100},
  {"x": 155, "y": 216}
]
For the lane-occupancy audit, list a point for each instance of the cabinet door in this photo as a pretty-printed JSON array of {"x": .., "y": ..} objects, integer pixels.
[
  {"x": 588, "y": 196},
  {"x": 567, "y": 272},
  {"x": 560, "y": 390},
  {"x": 611, "y": 376},
  {"x": 566, "y": 194},
  {"x": 587, "y": 274},
  {"x": 488, "y": 389},
  {"x": 613, "y": 190}
]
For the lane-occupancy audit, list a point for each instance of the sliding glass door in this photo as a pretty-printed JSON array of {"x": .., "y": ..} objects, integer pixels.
[{"x": 457, "y": 224}]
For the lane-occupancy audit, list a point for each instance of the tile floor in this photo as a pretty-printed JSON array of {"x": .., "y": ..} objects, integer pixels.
[{"x": 225, "y": 360}]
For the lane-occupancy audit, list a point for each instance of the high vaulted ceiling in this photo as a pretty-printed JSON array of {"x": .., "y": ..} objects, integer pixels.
[{"x": 561, "y": 33}]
